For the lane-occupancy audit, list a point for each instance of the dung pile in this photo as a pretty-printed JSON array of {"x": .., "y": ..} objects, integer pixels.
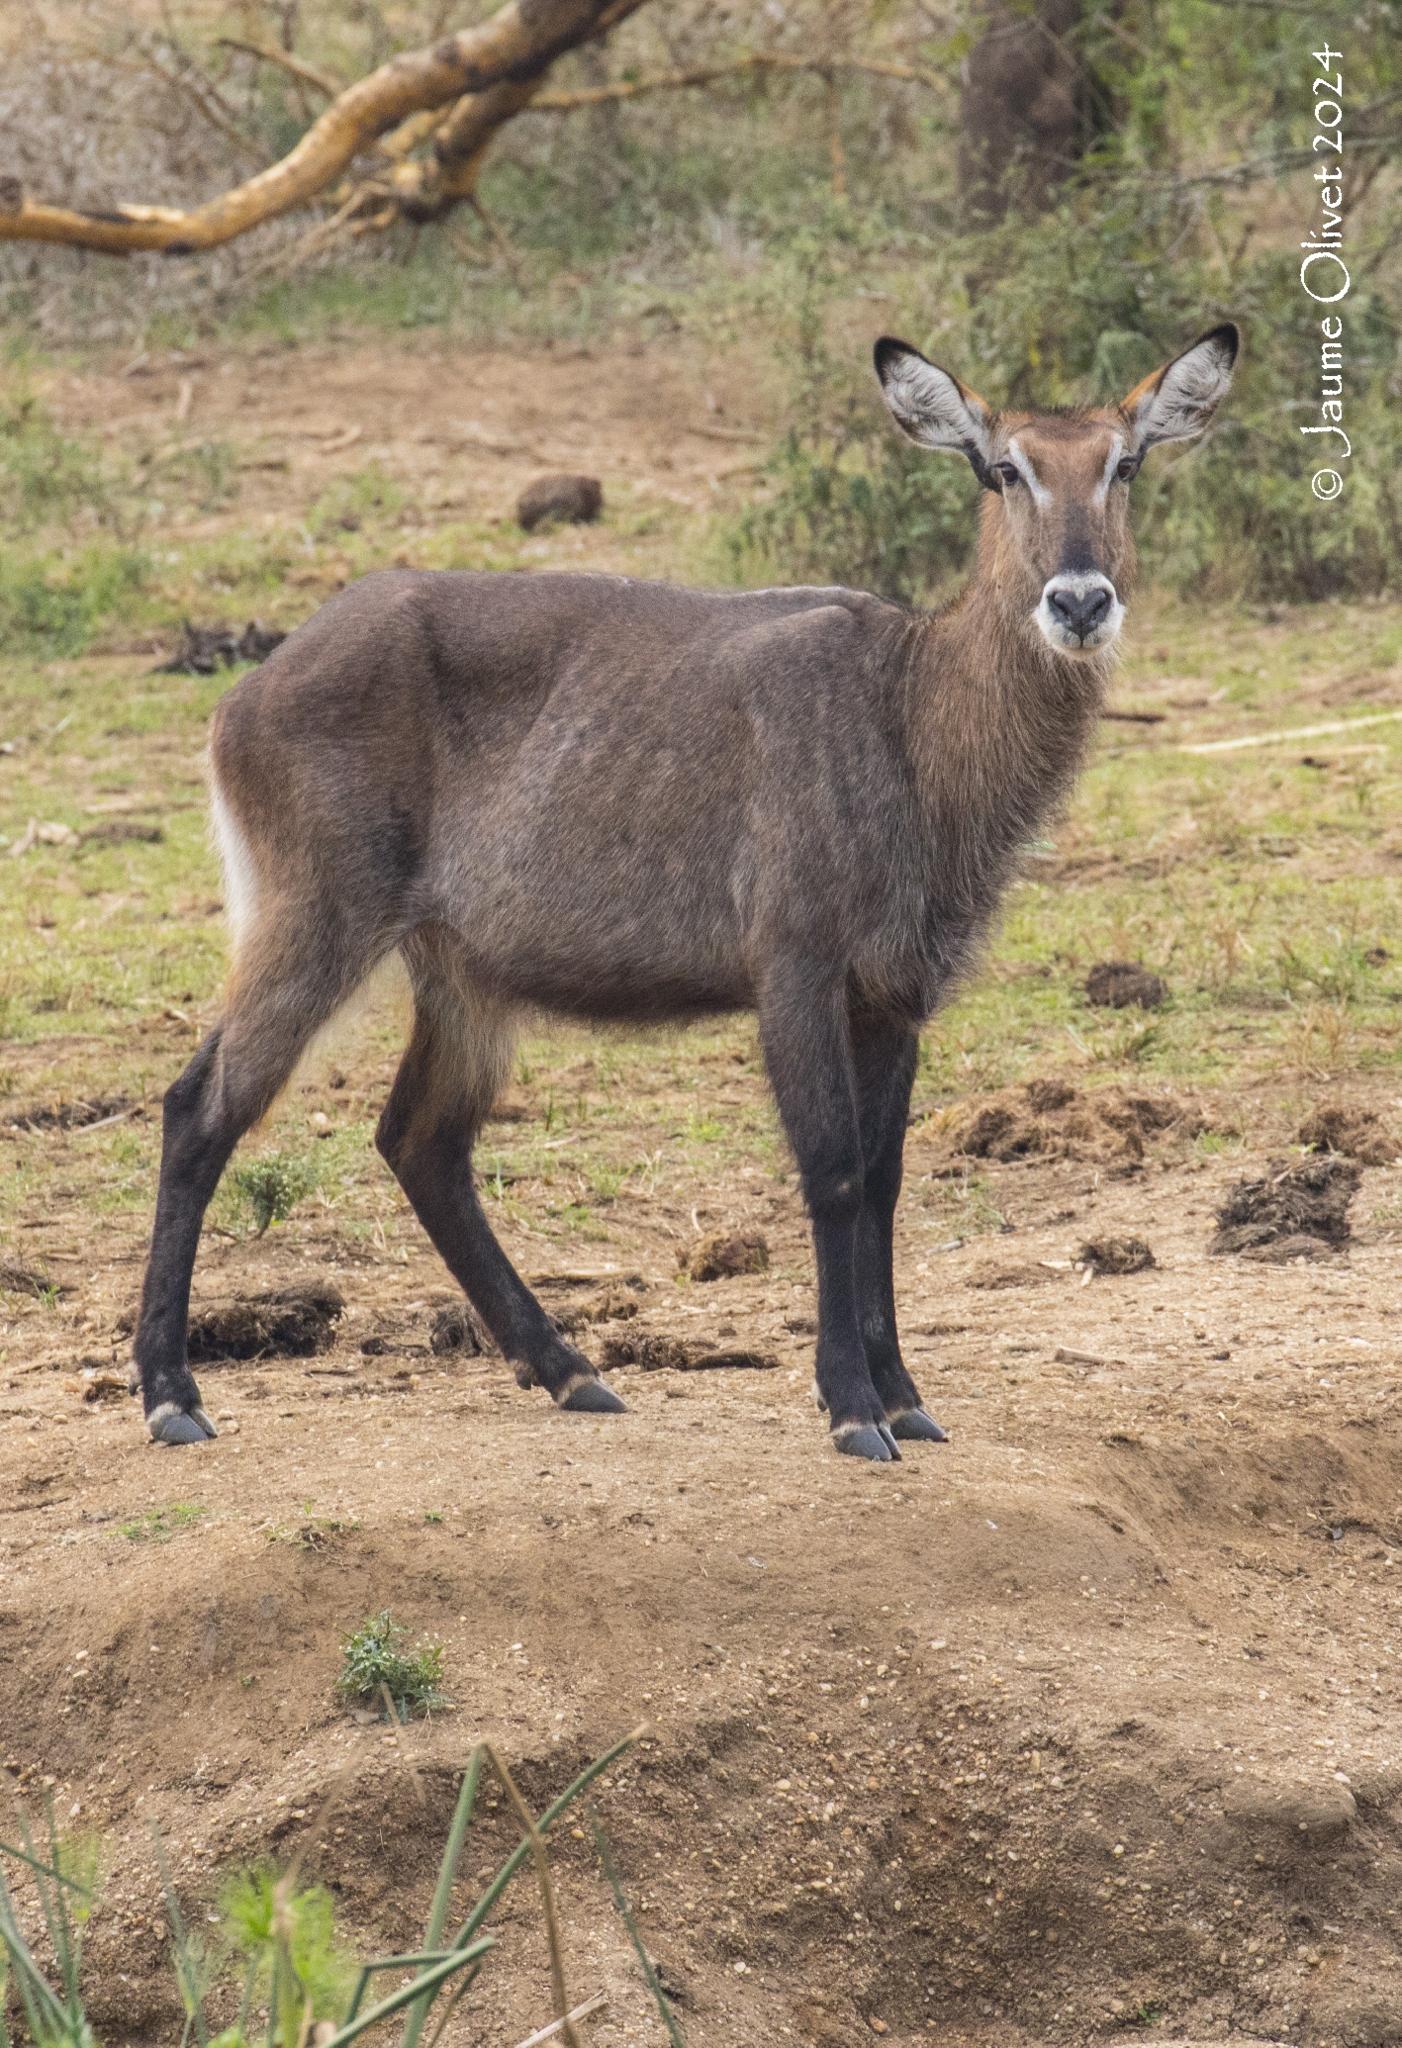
[
  {"x": 1353, "y": 1133},
  {"x": 287, "y": 1322},
  {"x": 1292, "y": 1212},
  {"x": 726, "y": 1253},
  {"x": 1120, "y": 984},
  {"x": 1051, "y": 1119},
  {"x": 1115, "y": 1255},
  {"x": 652, "y": 1352}
]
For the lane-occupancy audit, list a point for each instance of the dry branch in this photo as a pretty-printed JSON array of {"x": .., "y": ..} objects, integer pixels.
[
  {"x": 498, "y": 61},
  {"x": 305, "y": 74},
  {"x": 739, "y": 67}
]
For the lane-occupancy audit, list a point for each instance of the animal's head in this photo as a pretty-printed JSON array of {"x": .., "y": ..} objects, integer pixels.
[{"x": 1062, "y": 478}]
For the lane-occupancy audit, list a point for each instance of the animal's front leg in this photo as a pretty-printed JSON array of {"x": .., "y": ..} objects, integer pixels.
[
  {"x": 803, "y": 1026},
  {"x": 884, "y": 1057}
]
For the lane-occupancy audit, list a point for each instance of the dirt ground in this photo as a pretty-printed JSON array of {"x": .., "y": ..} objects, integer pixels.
[{"x": 1084, "y": 1728}]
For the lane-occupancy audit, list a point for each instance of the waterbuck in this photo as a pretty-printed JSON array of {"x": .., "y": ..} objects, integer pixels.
[{"x": 633, "y": 802}]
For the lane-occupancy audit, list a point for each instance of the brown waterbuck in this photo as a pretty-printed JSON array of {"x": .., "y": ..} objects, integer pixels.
[{"x": 633, "y": 802}]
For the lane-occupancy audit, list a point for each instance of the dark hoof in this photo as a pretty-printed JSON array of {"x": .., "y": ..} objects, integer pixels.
[
  {"x": 867, "y": 1440},
  {"x": 171, "y": 1425},
  {"x": 916, "y": 1426},
  {"x": 592, "y": 1397}
]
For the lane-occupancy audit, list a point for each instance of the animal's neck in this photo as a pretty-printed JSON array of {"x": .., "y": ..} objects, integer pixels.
[{"x": 998, "y": 723}]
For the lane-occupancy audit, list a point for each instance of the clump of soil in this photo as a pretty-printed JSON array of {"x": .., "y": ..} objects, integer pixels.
[
  {"x": 610, "y": 1305},
  {"x": 1290, "y": 1213},
  {"x": 1051, "y": 1119},
  {"x": 992, "y": 1275},
  {"x": 575, "y": 499},
  {"x": 1116, "y": 1255},
  {"x": 1354, "y": 1133},
  {"x": 286, "y": 1322},
  {"x": 654, "y": 1353},
  {"x": 1118, "y": 984},
  {"x": 15, "y": 1279},
  {"x": 726, "y": 1253},
  {"x": 204, "y": 650},
  {"x": 69, "y": 1116},
  {"x": 455, "y": 1330},
  {"x": 118, "y": 831}
]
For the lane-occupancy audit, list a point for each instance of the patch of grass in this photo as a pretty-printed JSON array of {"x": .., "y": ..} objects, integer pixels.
[
  {"x": 314, "y": 1532},
  {"x": 375, "y": 1665},
  {"x": 158, "y": 1525},
  {"x": 53, "y": 603}
]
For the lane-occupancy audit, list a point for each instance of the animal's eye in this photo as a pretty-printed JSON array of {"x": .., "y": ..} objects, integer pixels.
[
  {"x": 1126, "y": 467},
  {"x": 1007, "y": 473}
]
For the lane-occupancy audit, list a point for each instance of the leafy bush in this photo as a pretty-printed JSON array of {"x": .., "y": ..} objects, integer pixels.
[
  {"x": 375, "y": 1666},
  {"x": 270, "y": 1188}
]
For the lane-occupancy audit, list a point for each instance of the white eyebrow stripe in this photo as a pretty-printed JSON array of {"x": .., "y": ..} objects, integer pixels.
[
  {"x": 1020, "y": 462},
  {"x": 1117, "y": 448}
]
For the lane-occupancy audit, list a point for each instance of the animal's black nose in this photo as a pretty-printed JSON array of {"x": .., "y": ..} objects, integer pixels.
[{"x": 1080, "y": 611}]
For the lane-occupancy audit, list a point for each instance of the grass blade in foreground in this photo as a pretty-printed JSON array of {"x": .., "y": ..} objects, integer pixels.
[{"x": 645, "y": 1963}]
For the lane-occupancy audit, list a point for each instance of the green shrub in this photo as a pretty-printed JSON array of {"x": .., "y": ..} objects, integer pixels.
[
  {"x": 283, "y": 1937},
  {"x": 270, "y": 1188},
  {"x": 375, "y": 1667}
]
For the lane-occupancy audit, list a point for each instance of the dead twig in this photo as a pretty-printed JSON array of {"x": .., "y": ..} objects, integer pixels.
[
  {"x": 307, "y": 74},
  {"x": 581, "y": 2012},
  {"x": 564, "y": 2023}
]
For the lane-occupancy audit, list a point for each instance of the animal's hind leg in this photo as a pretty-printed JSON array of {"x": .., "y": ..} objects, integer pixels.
[
  {"x": 884, "y": 1055},
  {"x": 449, "y": 1077},
  {"x": 294, "y": 973}
]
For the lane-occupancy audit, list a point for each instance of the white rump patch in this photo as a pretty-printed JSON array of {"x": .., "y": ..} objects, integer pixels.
[{"x": 240, "y": 881}]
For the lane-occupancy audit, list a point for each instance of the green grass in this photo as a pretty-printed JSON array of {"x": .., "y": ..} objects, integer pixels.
[{"x": 158, "y": 1525}]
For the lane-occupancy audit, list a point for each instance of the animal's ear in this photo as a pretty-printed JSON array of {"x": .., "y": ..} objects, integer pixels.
[
  {"x": 1178, "y": 401},
  {"x": 932, "y": 407}
]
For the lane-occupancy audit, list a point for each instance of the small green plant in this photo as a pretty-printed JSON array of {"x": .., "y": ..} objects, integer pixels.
[
  {"x": 271, "y": 1188},
  {"x": 284, "y": 1938},
  {"x": 377, "y": 1667},
  {"x": 158, "y": 1525}
]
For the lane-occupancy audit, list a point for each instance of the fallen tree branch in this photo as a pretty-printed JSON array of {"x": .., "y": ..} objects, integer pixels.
[{"x": 509, "y": 51}]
